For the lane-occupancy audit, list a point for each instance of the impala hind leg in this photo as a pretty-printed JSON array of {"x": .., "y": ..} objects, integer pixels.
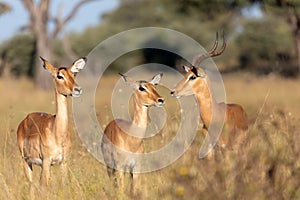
[
  {"x": 132, "y": 181},
  {"x": 117, "y": 180},
  {"x": 120, "y": 181},
  {"x": 112, "y": 176},
  {"x": 133, "y": 178},
  {"x": 28, "y": 173}
]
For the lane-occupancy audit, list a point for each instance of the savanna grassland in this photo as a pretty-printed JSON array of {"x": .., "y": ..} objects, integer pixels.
[{"x": 266, "y": 167}]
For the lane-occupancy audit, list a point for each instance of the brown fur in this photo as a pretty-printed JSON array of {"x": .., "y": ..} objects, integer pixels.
[
  {"x": 116, "y": 133},
  {"x": 44, "y": 139},
  {"x": 196, "y": 82},
  {"x": 236, "y": 122}
]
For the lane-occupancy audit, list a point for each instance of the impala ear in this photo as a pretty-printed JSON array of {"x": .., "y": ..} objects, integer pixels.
[
  {"x": 78, "y": 65},
  {"x": 50, "y": 68},
  {"x": 129, "y": 81},
  {"x": 186, "y": 68},
  {"x": 155, "y": 80},
  {"x": 201, "y": 73}
]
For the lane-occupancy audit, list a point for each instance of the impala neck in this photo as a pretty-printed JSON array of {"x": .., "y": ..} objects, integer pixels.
[
  {"x": 140, "y": 114},
  {"x": 61, "y": 119},
  {"x": 206, "y": 102}
]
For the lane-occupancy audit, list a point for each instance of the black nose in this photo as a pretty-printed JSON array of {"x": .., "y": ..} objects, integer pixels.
[
  {"x": 161, "y": 100},
  {"x": 78, "y": 90},
  {"x": 172, "y": 92}
]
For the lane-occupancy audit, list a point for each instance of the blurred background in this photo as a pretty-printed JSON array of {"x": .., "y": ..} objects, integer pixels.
[
  {"x": 260, "y": 69},
  {"x": 263, "y": 36}
]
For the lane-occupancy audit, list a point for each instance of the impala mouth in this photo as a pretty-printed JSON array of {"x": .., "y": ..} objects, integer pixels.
[
  {"x": 159, "y": 105},
  {"x": 75, "y": 95},
  {"x": 176, "y": 96}
]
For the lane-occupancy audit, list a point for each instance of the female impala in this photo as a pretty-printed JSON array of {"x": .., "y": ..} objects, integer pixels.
[
  {"x": 44, "y": 139},
  {"x": 128, "y": 136},
  {"x": 196, "y": 82}
]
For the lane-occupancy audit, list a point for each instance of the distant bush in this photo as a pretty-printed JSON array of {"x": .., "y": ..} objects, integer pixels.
[
  {"x": 17, "y": 55},
  {"x": 265, "y": 46}
]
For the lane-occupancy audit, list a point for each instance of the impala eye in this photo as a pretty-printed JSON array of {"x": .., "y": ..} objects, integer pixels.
[
  {"x": 192, "y": 77},
  {"x": 60, "y": 77},
  {"x": 142, "y": 89}
]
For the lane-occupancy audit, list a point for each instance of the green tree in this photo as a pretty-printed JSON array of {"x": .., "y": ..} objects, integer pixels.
[
  {"x": 188, "y": 16},
  {"x": 17, "y": 55},
  {"x": 263, "y": 52},
  {"x": 290, "y": 10}
]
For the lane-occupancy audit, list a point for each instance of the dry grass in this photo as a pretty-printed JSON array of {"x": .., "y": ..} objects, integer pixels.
[{"x": 267, "y": 168}]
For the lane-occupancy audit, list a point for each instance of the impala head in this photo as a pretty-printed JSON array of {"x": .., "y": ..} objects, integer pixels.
[
  {"x": 144, "y": 92},
  {"x": 195, "y": 77},
  {"x": 64, "y": 77}
]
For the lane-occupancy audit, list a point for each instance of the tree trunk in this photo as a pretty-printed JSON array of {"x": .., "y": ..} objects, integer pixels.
[
  {"x": 293, "y": 19},
  {"x": 42, "y": 79},
  {"x": 297, "y": 40},
  {"x": 39, "y": 23},
  {"x": 39, "y": 20}
]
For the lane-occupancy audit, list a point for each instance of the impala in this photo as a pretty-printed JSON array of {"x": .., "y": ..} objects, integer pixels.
[
  {"x": 196, "y": 82},
  {"x": 128, "y": 136},
  {"x": 44, "y": 139}
]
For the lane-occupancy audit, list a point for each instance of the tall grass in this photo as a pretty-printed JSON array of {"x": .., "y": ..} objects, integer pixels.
[{"x": 267, "y": 167}]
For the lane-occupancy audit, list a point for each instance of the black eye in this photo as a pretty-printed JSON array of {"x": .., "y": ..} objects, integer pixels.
[
  {"x": 60, "y": 77},
  {"x": 142, "y": 89},
  {"x": 192, "y": 77}
]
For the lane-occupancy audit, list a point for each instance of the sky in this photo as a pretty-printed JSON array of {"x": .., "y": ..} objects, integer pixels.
[{"x": 88, "y": 15}]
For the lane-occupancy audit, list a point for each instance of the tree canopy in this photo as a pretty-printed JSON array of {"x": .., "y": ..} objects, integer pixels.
[{"x": 262, "y": 44}]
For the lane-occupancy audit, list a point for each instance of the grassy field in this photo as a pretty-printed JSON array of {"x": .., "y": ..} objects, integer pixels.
[{"x": 268, "y": 167}]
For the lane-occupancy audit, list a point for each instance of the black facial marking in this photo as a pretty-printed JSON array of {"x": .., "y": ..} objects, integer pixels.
[
  {"x": 62, "y": 68},
  {"x": 194, "y": 70}
]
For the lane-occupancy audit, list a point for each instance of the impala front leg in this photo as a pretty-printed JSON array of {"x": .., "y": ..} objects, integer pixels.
[
  {"x": 45, "y": 174},
  {"x": 64, "y": 172},
  {"x": 28, "y": 173},
  {"x": 211, "y": 151}
]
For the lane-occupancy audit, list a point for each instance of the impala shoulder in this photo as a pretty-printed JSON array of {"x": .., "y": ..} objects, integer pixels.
[
  {"x": 235, "y": 107},
  {"x": 39, "y": 115},
  {"x": 116, "y": 124},
  {"x": 41, "y": 118}
]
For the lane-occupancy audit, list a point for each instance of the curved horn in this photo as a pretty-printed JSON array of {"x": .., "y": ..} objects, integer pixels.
[{"x": 212, "y": 53}]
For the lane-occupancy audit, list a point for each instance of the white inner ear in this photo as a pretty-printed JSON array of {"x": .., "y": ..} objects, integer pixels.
[
  {"x": 186, "y": 68},
  {"x": 78, "y": 65},
  {"x": 129, "y": 81},
  {"x": 134, "y": 85},
  {"x": 155, "y": 80},
  {"x": 201, "y": 75}
]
